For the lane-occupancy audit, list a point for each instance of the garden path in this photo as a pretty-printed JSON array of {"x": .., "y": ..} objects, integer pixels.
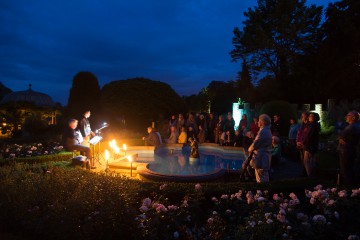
[{"x": 287, "y": 169}]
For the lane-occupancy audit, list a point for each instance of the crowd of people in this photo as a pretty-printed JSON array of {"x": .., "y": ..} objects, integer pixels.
[{"x": 263, "y": 138}]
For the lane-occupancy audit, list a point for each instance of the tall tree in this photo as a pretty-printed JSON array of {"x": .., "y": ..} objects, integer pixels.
[
  {"x": 84, "y": 95},
  {"x": 342, "y": 49},
  {"x": 221, "y": 96},
  {"x": 4, "y": 91},
  {"x": 245, "y": 88},
  {"x": 139, "y": 101},
  {"x": 275, "y": 33}
]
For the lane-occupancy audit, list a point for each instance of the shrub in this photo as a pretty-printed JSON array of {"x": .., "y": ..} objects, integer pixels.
[
  {"x": 63, "y": 156},
  {"x": 42, "y": 201}
]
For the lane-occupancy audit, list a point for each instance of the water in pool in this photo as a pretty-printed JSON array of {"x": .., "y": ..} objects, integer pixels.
[{"x": 179, "y": 162}]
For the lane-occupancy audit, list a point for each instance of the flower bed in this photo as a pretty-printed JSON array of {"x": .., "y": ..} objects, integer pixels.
[
  {"x": 60, "y": 203},
  {"x": 9, "y": 151},
  {"x": 33, "y": 153}
]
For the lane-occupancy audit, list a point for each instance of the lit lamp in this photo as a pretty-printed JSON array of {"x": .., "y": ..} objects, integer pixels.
[
  {"x": 107, "y": 156},
  {"x": 130, "y": 160},
  {"x": 111, "y": 145},
  {"x": 124, "y": 147},
  {"x": 117, "y": 151}
]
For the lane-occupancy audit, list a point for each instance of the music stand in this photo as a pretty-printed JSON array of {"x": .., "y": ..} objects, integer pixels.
[{"x": 95, "y": 143}]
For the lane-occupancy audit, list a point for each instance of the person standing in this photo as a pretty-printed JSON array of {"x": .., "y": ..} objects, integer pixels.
[
  {"x": 243, "y": 122},
  {"x": 211, "y": 128},
  {"x": 348, "y": 142},
  {"x": 180, "y": 122},
  {"x": 276, "y": 126},
  {"x": 201, "y": 134},
  {"x": 85, "y": 128},
  {"x": 219, "y": 130},
  {"x": 191, "y": 122},
  {"x": 293, "y": 130},
  {"x": 254, "y": 128},
  {"x": 261, "y": 149},
  {"x": 304, "y": 127},
  {"x": 311, "y": 144},
  {"x": 229, "y": 124}
]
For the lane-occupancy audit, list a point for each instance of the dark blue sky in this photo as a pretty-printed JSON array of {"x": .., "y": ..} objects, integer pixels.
[{"x": 185, "y": 43}]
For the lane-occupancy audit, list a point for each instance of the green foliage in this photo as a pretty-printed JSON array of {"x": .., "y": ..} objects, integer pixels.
[
  {"x": 4, "y": 90},
  {"x": 338, "y": 59},
  {"x": 66, "y": 204},
  {"x": 245, "y": 89},
  {"x": 274, "y": 33},
  {"x": 34, "y": 125},
  {"x": 327, "y": 128},
  {"x": 140, "y": 101},
  {"x": 283, "y": 109},
  {"x": 222, "y": 95},
  {"x": 63, "y": 156},
  {"x": 48, "y": 200}
]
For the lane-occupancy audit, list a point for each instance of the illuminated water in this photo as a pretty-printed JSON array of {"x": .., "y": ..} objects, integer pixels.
[{"x": 177, "y": 162}]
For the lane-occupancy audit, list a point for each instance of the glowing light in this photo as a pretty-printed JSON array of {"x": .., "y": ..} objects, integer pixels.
[
  {"x": 124, "y": 147},
  {"x": 117, "y": 149},
  {"x": 129, "y": 158},
  {"x": 237, "y": 114},
  {"x": 112, "y": 143},
  {"x": 107, "y": 155}
]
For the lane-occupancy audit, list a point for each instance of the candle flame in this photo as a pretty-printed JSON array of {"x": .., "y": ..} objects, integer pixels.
[
  {"x": 117, "y": 149},
  {"x": 124, "y": 146},
  {"x": 107, "y": 155}
]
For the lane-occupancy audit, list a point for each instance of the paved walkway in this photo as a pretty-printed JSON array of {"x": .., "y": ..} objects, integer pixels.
[{"x": 288, "y": 169}]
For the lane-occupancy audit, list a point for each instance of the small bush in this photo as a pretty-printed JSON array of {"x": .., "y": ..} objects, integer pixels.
[{"x": 63, "y": 156}]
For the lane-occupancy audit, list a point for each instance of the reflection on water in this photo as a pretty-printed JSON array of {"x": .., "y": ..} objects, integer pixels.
[{"x": 172, "y": 162}]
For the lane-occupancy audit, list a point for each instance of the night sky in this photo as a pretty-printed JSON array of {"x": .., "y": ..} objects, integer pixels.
[{"x": 185, "y": 43}]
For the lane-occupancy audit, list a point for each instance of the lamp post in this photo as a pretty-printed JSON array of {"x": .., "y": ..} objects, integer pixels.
[
  {"x": 112, "y": 145},
  {"x": 124, "y": 147},
  {"x": 130, "y": 159},
  {"x": 107, "y": 155}
]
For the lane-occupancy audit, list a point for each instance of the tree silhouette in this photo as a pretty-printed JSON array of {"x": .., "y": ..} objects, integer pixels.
[
  {"x": 221, "y": 95},
  {"x": 275, "y": 33},
  {"x": 139, "y": 101},
  {"x": 4, "y": 91},
  {"x": 84, "y": 95},
  {"x": 341, "y": 49},
  {"x": 245, "y": 88}
]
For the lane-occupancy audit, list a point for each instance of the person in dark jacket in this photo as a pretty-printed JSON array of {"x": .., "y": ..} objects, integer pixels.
[
  {"x": 348, "y": 143},
  {"x": 219, "y": 130},
  {"x": 85, "y": 128},
  {"x": 211, "y": 128},
  {"x": 229, "y": 124},
  {"x": 153, "y": 139},
  {"x": 71, "y": 141},
  {"x": 311, "y": 144}
]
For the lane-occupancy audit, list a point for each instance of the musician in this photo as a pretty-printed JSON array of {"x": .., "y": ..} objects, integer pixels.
[
  {"x": 70, "y": 140},
  {"x": 85, "y": 128}
]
